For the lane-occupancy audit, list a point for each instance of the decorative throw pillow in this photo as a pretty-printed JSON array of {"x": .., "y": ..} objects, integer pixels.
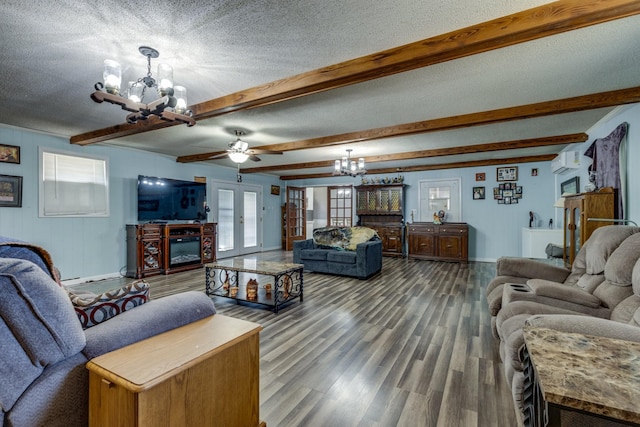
[{"x": 93, "y": 309}]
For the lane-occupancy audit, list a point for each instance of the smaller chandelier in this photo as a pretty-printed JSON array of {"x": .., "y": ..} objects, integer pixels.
[
  {"x": 171, "y": 104},
  {"x": 346, "y": 166}
]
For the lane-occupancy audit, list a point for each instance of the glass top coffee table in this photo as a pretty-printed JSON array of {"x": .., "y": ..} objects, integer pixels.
[{"x": 260, "y": 282}]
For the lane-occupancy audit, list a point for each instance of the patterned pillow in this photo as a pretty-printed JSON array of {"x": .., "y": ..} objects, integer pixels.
[{"x": 93, "y": 309}]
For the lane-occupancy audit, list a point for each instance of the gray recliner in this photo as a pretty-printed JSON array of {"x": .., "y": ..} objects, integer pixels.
[{"x": 44, "y": 348}]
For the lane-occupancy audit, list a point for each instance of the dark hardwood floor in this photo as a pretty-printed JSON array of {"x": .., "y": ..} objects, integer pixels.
[{"x": 411, "y": 346}]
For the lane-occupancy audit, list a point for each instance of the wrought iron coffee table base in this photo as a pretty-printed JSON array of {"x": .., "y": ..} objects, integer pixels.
[{"x": 286, "y": 280}]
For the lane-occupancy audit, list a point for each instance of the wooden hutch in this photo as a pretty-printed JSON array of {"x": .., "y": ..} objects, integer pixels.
[{"x": 381, "y": 207}]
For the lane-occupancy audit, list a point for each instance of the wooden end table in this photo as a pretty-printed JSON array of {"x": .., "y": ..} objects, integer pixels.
[{"x": 205, "y": 373}]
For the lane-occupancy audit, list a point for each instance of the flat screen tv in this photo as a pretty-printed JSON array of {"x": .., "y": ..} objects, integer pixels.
[{"x": 164, "y": 199}]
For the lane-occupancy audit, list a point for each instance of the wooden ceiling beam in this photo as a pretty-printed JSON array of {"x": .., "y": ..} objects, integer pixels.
[
  {"x": 520, "y": 27},
  {"x": 440, "y": 166},
  {"x": 540, "y": 109},
  {"x": 438, "y": 152}
]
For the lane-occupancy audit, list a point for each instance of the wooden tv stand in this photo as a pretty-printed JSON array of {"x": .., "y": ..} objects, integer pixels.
[
  {"x": 149, "y": 247},
  {"x": 202, "y": 374}
]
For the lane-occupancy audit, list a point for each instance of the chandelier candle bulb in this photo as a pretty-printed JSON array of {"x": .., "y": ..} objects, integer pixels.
[
  {"x": 135, "y": 92},
  {"x": 180, "y": 93},
  {"x": 112, "y": 76},
  {"x": 165, "y": 78}
]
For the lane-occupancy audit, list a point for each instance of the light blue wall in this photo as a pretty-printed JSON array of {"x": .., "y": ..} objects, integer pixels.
[
  {"x": 93, "y": 247},
  {"x": 495, "y": 230}
]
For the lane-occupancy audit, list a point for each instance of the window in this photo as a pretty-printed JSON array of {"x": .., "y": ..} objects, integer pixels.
[
  {"x": 340, "y": 206},
  {"x": 72, "y": 185}
]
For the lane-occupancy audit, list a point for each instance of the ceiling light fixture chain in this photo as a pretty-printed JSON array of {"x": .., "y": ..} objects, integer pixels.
[
  {"x": 346, "y": 166},
  {"x": 171, "y": 104}
]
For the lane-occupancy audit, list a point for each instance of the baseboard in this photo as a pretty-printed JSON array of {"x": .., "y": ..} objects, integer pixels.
[{"x": 78, "y": 280}]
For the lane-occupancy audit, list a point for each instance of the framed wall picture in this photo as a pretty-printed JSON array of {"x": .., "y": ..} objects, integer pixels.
[
  {"x": 480, "y": 176},
  {"x": 478, "y": 193},
  {"x": 508, "y": 173},
  {"x": 9, "y": 153},
  {"x": 275, "y": 190},
  {"x": 10, "y": 191},
  {"x": 570, "y": 186}
]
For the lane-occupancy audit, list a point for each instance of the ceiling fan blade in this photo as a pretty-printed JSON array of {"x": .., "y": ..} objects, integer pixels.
[
  {"x": 221, "y": 155},
  {"x": 259, "y": 151},
  {"x": 254, "y": 157}
]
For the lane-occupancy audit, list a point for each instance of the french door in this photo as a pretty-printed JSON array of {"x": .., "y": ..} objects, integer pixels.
[
  {"x": 295, "y": 216},
  {"x": 238, "y": 212}
]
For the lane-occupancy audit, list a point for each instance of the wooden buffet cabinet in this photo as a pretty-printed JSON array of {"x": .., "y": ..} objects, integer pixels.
[
  {"x": 439, "y": 242},
  {"x": 578, "y": 209},
  {"x": 169, "y": 248},
  {"x": 380, "y": 207}
]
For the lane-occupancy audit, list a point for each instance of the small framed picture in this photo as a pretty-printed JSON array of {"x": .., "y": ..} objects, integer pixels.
[
  {"x": 275, "y": 190},
  {"x": 10, "y": 191},
  {"x": 480, "y": 176},
  {"x": 534, "y": 171},
  {"x": 9, "y": 153},
  {"x": 509, "y": 173},
  {"x": 478, "y": 193}
]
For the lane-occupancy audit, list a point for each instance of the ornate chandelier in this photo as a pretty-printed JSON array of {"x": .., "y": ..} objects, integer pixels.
[
  {"x": 346, "y": 166},
  {"x": 171, "y": 102}
]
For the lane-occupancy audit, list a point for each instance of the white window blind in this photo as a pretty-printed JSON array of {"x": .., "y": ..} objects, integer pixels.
[{"x": 71, "y": 185}]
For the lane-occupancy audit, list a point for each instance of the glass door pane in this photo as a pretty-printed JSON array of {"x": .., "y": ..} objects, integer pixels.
[
  {"x": 250, "y": 219},
  {"x": 226, "y": 222}
]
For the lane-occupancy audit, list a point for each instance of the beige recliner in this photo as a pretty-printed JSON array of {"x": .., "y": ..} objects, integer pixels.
[
  {"x": 529, "y": 279},
  {"x": 618, "y": 293}
]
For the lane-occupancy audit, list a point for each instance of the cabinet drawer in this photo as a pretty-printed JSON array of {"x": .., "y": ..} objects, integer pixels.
[
  {"x": 149, "y": 231},
  {"x": 422, "y": 229}
]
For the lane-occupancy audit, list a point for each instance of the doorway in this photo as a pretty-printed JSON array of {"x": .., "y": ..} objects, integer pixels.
[{"x": 238, "y": 211}]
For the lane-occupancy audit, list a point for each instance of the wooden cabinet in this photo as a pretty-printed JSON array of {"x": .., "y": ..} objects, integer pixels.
[
  {"x": 144, "y": 250},
  {"x": 168, "y": 248},
  {"x": 439, "y": 242},
  {"x": 383, "y": 199},
  {"x": 381, "y": 207},
  {"x": 203, "y": 374},
  {"x": 579, "y": 212}
]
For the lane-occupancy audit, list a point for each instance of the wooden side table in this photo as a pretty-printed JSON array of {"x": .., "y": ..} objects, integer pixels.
[{"x": 202, "y": 374}]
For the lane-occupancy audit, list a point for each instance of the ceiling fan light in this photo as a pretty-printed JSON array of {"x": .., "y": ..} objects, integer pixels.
[
  {"x": 336, "y": 166},
  {"x": 361, "y": 163},
  {"x": 112, "y": 76},
  {"x": 165, "y": 78},
  {"x": 238, "y": 157}
]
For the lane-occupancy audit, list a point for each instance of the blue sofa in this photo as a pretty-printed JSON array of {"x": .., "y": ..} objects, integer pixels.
[
  {"x": 45, "y": 349},
  {"x": 361, "y": 260}
]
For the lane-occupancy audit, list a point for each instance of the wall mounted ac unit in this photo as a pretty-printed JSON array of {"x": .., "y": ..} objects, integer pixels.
[{"x": 565, "y": 161}]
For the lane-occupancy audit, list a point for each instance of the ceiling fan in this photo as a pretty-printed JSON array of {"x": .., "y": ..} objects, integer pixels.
[{"x": 239, "y": 151}]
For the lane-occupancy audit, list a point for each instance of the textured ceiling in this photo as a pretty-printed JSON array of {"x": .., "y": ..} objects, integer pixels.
[{"x": 52, "y": 55}]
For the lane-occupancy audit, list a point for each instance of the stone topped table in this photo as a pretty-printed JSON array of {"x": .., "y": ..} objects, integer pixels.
[
  {"x": 591, "y": 374},
  {"x": 278, "y": 282}
]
